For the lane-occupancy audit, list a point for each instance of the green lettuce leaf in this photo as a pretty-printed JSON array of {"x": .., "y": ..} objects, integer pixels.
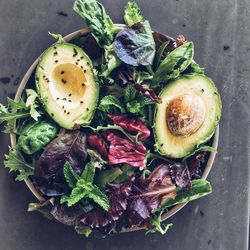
[{"x": 132, "y": 14}]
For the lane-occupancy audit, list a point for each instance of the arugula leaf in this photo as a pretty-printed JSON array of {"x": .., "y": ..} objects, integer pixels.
[
  {"x": 199, "y": 189},
  {"x": 16, "y": 162},
  {"x": 135, "y": 45},
  {"x": 127, "y": 172},
  {"x": 155, "y": 220},
  {"x": 32, "y": 103},
  {"x": 58, "y": 37},
  {"x": 100, "y": 24},
  {"x": 132, "y": 14},
  {"x": 70, "y": 175},
  {"x": 175, "y": 63},
  {"x": 110, "y": 101}
]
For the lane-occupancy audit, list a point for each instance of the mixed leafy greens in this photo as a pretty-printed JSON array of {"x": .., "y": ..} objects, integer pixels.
[{"x": 106, "y": 176}]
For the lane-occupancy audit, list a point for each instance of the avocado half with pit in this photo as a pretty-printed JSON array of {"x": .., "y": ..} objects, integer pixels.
[
  {"x": 188, "y": 115},
  {"x": 67, "y": 85}
]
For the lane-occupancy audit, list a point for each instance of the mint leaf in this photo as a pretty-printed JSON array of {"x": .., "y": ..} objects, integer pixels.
[
  {"x": 81, "y": 190},
  {"x": 99, "y": 197},
  {"x": 129, "y": 93},
  {"x": 88, "y": 172},
  {"x": 16, "y": 162},
  {"x": 70, "y": 175},
  {"x": 110, "y": 101}
]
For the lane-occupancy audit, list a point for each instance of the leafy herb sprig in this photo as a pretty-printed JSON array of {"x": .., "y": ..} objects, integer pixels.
[{"x": 83, "y": 187}]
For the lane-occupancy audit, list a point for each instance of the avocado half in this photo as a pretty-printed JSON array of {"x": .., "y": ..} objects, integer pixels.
[
  {"x": 188, "y": 115},
  {"x": 67, "y": 85}
]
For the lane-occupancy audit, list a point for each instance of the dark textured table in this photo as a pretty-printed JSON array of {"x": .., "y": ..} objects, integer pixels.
[{"x": 220, "y": 30}]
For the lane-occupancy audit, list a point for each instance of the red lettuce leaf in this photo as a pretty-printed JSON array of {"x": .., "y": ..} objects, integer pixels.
[
  {"x": 131, "y": 125},
  {"x": 179, "y": 173},
  {"x": 48, "y": 174},
  {"x": 97, "y": 142},
  {"x": 121, "y": 150},
  {"x": 118, "y": 200},
  {"x": 131, "y": 203},
  {"x": 194, "y": 163}
]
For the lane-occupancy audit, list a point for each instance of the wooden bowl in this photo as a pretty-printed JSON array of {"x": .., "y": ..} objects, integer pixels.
[{"x": 19, "y": 92}]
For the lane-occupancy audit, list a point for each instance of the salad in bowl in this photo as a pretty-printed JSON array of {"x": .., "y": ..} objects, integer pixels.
[{"x": 113, "y": 128}]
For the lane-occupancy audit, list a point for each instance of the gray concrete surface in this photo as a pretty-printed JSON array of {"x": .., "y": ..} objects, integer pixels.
[{"x": 220, "y": 30}]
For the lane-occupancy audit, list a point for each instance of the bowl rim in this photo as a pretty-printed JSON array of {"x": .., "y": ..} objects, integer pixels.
[{"x": 29, "y": 184}]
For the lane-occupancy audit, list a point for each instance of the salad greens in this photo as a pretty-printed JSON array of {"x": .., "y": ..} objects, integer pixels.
[
  {"x": 107, "y": 176},
  {"x": 132, "y": 14}
]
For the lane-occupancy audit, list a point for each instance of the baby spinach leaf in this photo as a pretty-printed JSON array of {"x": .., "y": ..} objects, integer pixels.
[
  {"x": 36, "y": 135},
  {"x": 135, "y": 45},
  {"x": 175, "y": 63},
  {"x": 199, "y": 189},
  {"x": 100, "y": 24},
  {"x": 132, "y": 14}
]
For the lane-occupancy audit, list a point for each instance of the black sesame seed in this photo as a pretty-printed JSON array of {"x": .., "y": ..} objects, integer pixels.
[
  {"x": 75, "y": 52},
  {"x": 64, "y": 81},
  {"x": 56, "y": 61},
  {"x": 88, "y": 63},
  {"x": 76, "y": 63},
  {"x": 69, "y": 101},
  {"x": 41, "y": 67},
  {"x": 87, "y": 109},
  {"x": 81, "y": 57},
  {"x": 81, "y": 102},
  {"x": 55, "y": 53},
  {"x": 55, "y": 47},
  {"x": 57, "y": 98},
  {"x": 78, "y": 60},
  {"x": 85, "y": 71},
  {"x": 202, "y": 90},
  {"x": 68, "y": 113},
  {"x": 83, "y": 84},
  {"x": 52, "y": 114},
  {"x": 70, "y": 94},
  {"x": 62, "y": 107},
  {"x": 81, "y": 67},
  {"x": 64, "y": 99},
  {"x": 44, "y": 76},
  {"x": 162, "y": 145},
  {"x": 64, "y": 111},
  {"x": 62, "y": 72}
]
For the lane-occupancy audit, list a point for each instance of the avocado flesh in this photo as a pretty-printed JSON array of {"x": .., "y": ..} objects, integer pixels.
[
  {"x": 67, "y": 85},
  {"x": 174, "y": 146}
]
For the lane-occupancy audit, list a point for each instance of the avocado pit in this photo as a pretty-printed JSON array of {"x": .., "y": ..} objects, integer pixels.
[{"x": 185, "y": 114}]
